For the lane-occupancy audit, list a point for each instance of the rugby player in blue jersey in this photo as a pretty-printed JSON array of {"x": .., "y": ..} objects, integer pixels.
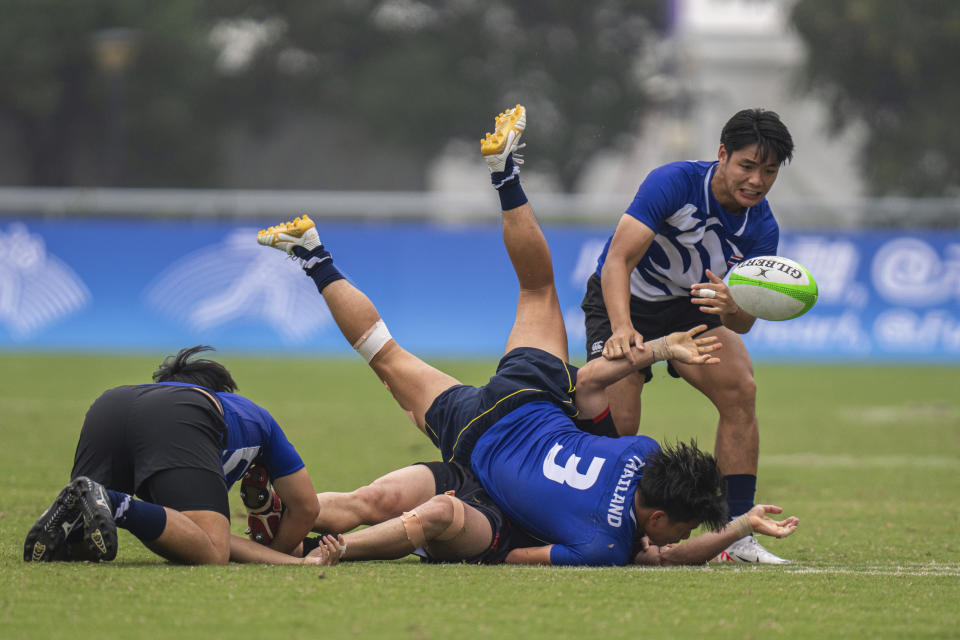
[
  {"x": 662, "y": 270},
  {"x": 583, "y": 499},
  {"x": 179, "y": 444}
]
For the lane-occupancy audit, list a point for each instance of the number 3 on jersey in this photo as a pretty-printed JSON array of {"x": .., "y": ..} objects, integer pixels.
[{"x": 568, "y": 473}]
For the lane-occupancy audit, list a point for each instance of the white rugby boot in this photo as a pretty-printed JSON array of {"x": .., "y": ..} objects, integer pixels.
[{"x": 748, "y": 549}]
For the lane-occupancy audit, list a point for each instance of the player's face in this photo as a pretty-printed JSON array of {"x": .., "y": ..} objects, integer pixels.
[
  {"x": 667, "y": 531},
  {"x": 743, "y": 178}
]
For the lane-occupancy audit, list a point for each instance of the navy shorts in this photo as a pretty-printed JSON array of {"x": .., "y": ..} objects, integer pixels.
[
  {"x": 652, "y": 319},
  {"x": 461, "y": 414},
  {"x": 452, "y": 476},
  {"x": 161, "y": 443}
]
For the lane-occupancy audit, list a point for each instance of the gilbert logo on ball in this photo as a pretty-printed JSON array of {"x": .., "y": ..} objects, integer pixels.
[{"x": 772, "y": 288}]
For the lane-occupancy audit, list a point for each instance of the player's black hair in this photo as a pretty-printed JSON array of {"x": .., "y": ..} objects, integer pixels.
[
  {"x": 760, "y": 127},
  {"x": 686, "y": 483},
  {"x": 201, "y": 372}
]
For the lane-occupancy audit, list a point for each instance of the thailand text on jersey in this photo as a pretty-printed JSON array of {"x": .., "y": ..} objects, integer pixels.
[
  {"x": 693, "y": 232},
  {"x": 251, "y": 432},
  {"x": 562, "y": 485}
]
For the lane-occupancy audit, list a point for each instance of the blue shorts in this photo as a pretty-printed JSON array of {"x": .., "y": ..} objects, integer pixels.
[{"x": 460, "y": 415}]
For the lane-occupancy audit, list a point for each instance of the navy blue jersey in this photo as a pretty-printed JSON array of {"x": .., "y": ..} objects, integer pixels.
[
  {"x": 562, "y": 485},
  {"x": 251, "y": 432},
  {"x": 693, "y": 232}
]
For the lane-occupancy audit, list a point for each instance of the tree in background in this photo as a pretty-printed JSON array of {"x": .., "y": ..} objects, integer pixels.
[
  {"x": 890, "y": 65},
  {"x": 59, "y": 104},
  {"x": 406, "y": 74}
]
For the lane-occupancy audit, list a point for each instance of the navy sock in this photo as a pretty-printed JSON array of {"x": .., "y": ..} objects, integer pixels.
[
  {"x": 507, "y": 184},
  {"x": 143, "y": 519},
  {"x": 741, "y": 489},
  {"x": 318, "y": 264}
]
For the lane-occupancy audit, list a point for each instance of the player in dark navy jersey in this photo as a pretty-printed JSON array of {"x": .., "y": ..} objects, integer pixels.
[
  {"x": 178, "y": 444},
  {"x": 586, "y": 499},
  {"x": 662, "y": 270}
]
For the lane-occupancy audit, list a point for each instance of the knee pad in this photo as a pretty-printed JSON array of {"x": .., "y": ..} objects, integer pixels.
[
  {"x": 413, "y": 527},
  {"x": 458, "y": 523}
]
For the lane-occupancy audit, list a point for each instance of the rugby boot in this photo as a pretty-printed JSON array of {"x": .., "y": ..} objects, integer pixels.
[
  {"x": 263, "y": 505},
  {"x": 748, "y": 549},
  {"x": 299, "y": 232},
  {"x": 99, "y": 529},
  {"x": 497, "y": 146},
  {"x": 47, "y": 538}
]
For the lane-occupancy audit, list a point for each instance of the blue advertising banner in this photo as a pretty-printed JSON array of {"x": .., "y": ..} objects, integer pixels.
[{"x": 154, "y": 285}]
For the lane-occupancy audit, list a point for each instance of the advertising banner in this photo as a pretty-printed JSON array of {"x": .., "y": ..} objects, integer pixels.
[{"x": 151, "y": 285}]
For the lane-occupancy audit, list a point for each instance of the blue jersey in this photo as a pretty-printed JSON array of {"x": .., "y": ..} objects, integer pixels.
[
  {"x": 251, "y": 432},
  {"x": 693, "y": 232},
  {"x": 562, "y": 485}
]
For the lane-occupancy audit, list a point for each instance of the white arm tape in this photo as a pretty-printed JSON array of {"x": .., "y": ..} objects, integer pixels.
[{"x": 372, "y": 341}]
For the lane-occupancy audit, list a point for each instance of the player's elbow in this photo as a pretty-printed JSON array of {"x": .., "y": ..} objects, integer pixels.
[
  {"x": 304, "y": 512},
  {"x": 311, "y": 511}
]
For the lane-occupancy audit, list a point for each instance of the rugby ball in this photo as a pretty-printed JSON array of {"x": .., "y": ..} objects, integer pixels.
[{"x": 772, "y": 288}]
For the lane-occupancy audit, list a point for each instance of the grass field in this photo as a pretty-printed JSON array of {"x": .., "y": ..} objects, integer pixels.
[{"x": 867, "y": 457}]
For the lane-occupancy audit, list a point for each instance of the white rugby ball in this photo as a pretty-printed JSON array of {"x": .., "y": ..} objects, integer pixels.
[{"x": 772, "y": 288}]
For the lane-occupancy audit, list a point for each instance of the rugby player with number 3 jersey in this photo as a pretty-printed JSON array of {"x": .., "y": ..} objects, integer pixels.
[{"x": 583, "y": 499}]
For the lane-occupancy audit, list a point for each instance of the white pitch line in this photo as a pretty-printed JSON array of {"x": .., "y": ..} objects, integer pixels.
[
  {"x": 844, "y": 461},
  {"x": 907, "y": 569},
  {"x": 890, "y": 571}
]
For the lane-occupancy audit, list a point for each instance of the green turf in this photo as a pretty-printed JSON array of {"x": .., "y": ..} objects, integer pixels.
[{"x": 867, "y": 457}]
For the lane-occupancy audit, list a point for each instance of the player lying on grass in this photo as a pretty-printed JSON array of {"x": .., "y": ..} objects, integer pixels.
[
  {"x": 452, "y": 532},
  {"x": 179, "y": 444},
  {"x": 588, "y": 498}
]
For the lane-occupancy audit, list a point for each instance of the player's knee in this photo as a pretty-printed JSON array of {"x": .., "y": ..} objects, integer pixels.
[
  {"x": 735, "y": 393},
  {"x": 219, "y": 556},
  {"x": 443, "y": 517},
  {"x": 744, "y": 392}
]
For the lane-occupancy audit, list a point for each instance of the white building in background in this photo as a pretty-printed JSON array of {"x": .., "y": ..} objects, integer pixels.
[
  {"x": 726, "y": 55},
  {"x": 722, "y": 56}
]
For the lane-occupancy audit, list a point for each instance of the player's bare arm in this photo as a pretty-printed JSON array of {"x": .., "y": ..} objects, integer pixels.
[
  {"x": 247, "y": 551},
  {"x": 629, "y": 244},
  {"x": 595, "y": 376},
  {"x": 530, "y": 555},
  {"x": 706, "y": 546},
  {"x": 298, "y": 496},
  {"x": 714, "y": 298}
]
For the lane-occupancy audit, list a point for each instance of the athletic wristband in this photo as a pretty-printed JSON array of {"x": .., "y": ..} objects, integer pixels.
[
  {"x": 659, "y": 348},
  {"x": 741, "y": 524}
]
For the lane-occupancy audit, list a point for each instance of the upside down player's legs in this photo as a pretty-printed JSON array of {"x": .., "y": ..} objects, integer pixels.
[
  {"x": 539, "y": 321},
  {"x": 413, "y": 383}
]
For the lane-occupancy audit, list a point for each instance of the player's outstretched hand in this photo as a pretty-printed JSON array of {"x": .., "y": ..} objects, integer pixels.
[
  {"x": 684, "y": 346},
  {"x": 624, "y": 343},
  {"x": 328, "y": 552},
  {"x": 766, "y": 525},
  {"x": 713, "y": 297}
]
